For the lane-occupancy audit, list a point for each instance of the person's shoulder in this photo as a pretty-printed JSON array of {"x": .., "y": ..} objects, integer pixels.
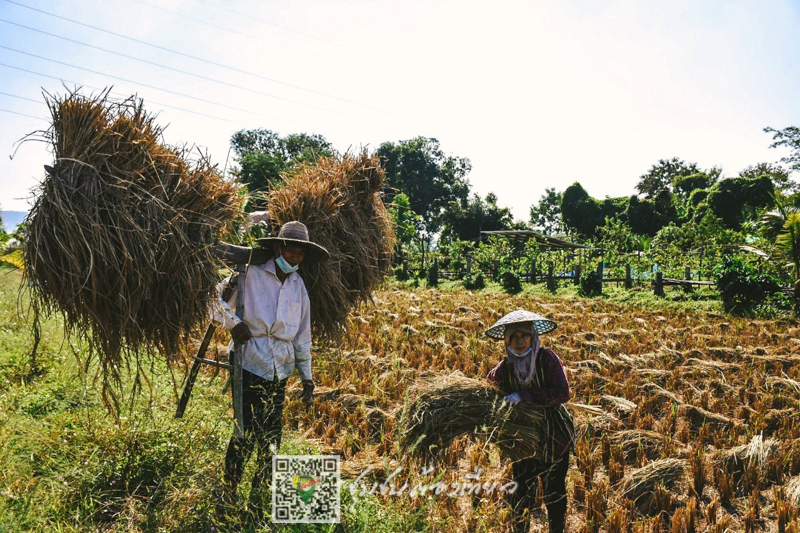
[{"x": 548, "y": 354}]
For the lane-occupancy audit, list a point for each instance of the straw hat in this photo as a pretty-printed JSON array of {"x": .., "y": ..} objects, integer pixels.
[
  {"x": 542, "y": 324},
  {"x": 296, "y": 233}
]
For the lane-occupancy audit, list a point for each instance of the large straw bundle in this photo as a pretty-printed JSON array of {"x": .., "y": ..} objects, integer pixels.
[
  {"x": 440, "y": 413},
  {"x": 339, "y": 200},
  {"x": 120, "y": 234},
  {"x": 649, "y": 486}
]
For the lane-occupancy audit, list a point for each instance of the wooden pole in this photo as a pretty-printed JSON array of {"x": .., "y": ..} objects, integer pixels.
[
  {"x": 628, "y": 280},
  {"x": 600, "y": 277},
  {"x": 192, "y": 376},
  {"x": 551, "y": 281},
  {"x": 659, "y": 289},
  {"x": 533, "y": 270},
  {"x": 577, "y": 279},
  {"x": 495, "y": 268}
]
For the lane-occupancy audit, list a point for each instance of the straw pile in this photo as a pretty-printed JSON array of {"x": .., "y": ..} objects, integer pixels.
[
  {"x": 339, "y": 200},
  {"x": 120, "y": 234},
  {"x": 650, "y": 486},
  {"x": 440, "y": 413}
]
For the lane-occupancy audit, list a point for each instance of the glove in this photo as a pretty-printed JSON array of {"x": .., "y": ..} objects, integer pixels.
[
  {"x": 513, "y": 398},
  {"x": 308, "y": 392},
  {"x": 241, "y": 333}
]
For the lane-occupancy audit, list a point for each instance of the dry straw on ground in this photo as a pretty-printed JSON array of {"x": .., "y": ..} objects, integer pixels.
[
  {"x": 339, "y": 199},
  {"x": 443, "y": 411},
  {"x": 120, "y": 234},
  {"x": 649, "y": 487}
]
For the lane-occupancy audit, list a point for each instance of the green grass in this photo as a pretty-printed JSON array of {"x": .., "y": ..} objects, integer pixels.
[{"x": 70, "y": 466}]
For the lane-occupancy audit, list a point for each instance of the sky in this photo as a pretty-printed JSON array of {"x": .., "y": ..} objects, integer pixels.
[{"x": 535, "y": 93}]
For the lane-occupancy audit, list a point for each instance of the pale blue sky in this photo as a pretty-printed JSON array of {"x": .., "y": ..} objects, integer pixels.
[{"x": 536, "y": 93}]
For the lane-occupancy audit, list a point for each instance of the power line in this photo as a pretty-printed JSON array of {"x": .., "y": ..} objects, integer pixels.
[
  {"x": 228, "y": 84},
  {"x": 62, "y": 80},
  {"x": 196, "y": 58},
  {"x": 262, "y": 21},
  {"x": 22, "y": 114},
  {"x": 249, "y": 111},
  {"x": 21, "y": 97}
]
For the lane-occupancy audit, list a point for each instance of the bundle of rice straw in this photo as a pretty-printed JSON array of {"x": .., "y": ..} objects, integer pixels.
[
  {"x": 339, "y": 200},
  {"x": 457, "y": 405},
  {"x": 646, "y": 485},
  {"x": 120, "y": 235}
]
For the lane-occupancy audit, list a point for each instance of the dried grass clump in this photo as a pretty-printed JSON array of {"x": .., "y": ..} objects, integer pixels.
[
  {"x": 649, "y": 486},
  {"x": 120, "y": 236},
  {"x": 634, "y": 442},
  {"x": 339, "y": 199},
  {"x": 793, "y": 492},
  {"x": 757, "y": 456},
  {"x": 441, "y": 412}
]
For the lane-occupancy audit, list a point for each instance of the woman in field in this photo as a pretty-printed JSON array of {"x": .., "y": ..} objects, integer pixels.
[{"x": 533, "y": 377}]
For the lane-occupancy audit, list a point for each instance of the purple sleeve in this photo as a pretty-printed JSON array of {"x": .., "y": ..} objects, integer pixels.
[
  {"x": 557, "y": 390},
  {"x": 498, "y": 376}
]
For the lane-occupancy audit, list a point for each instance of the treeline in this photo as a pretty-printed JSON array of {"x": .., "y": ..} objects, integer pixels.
[{"x": 678, "y": 207}]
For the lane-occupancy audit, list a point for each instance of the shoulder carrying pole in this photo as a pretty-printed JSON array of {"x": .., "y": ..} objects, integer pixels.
[{"x": 236, "y": 355}]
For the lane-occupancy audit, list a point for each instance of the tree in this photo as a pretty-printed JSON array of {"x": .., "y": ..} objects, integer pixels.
[
  {"x": 432, "y": 180},
  {"x": 583, "y": 214},
  {"x": 407, "y": 223},
  {"x": 647, "y": 217},
  {"x": 660, "y": 177},
  {"x": 790, "y": 138},
  {"x": 263, "y": 155},
  {"x": 735, "y": 200},
  {"x": 466, "y": 222},
  {"x": 547, "y": 214},
  {"x": 779, "y": 176}
]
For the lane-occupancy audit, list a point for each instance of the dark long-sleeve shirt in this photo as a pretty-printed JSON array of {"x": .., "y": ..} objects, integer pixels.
[{"x": 556, "y": 390}]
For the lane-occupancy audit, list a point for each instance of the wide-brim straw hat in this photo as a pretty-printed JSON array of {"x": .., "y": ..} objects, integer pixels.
[
  {"x": 295, "y": 233},
  {"x": 543, "y": 325}
]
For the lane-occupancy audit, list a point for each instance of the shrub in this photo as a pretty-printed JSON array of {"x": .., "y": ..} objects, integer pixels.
[
  {"x": 743, "y": 290},
  {"x": 510, "y": 282},
  {"x": 474, "y": 281},
  {"x": 590, "y": 284}
]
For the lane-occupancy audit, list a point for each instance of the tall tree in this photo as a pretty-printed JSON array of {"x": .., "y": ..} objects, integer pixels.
[
  {"x": 546, "y": 215},
  {"x": 467, "y": 221},
  {"x": 790, "y": 138},
  {"x": 263, "y": 155},
  {"x": 660, "y": 177},
  {"x": 779, "y": 176},
  {"x": 419, "y": 168}
]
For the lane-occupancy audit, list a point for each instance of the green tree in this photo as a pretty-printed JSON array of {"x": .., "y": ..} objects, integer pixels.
[
  {"x": 466, "y": 221},
  {"x": 661, "y": 176},
  {"x": 583, "y": 214},
  {"x": 779, "y": 176},
  {"x": 786, "y": 220},
  {"x": 432, "y": 180},
  {"x": 546, "y": 215},
  {"x": 263, "y": 156},
  {"x": 735, "y": 200},
  {"x": 789, "y": 138},
  {"x": 407, "y": 224}
]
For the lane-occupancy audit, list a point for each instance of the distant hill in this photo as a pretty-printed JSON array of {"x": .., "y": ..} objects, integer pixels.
[{"x": 11, "y": 219}]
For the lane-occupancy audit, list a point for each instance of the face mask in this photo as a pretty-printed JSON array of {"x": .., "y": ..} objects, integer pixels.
[
  {"x": 285, "y": 266},
  {"x": 520, "y": 355}
]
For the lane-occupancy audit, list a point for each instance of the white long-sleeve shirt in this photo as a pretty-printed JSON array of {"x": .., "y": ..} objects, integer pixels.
[{"x": 279, "y": 317}]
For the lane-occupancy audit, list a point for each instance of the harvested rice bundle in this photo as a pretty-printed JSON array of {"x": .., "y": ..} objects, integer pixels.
[
  {"x": 758, "y": 456},
  {"x": 119, "y": 236},
  {"x": 793, "y": 492},
  {"x": 638, "y": 441},
  {"x": 442, "y": 412},
  {"x": 339, "y": 200},
  {"x": 650, "y": 487}
]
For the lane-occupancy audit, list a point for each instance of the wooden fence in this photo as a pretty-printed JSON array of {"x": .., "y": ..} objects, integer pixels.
[{"x": 551, "y": 278}]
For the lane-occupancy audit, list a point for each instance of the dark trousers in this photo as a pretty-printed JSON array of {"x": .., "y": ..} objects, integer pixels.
[
  {"x": 262, "y": 403},
  {"x": 554, "y": 478}
]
